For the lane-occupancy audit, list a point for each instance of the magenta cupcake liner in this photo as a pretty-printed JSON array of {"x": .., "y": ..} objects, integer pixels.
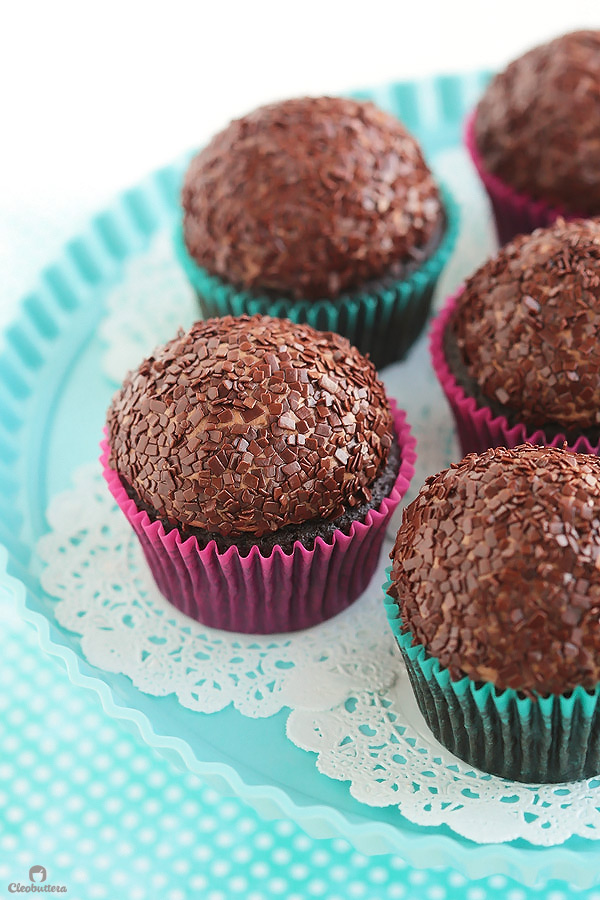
[
  {"x": 478, "y": 428},
  {"x": 514, "y": 212},
  {"x": 265, "y": 595}
]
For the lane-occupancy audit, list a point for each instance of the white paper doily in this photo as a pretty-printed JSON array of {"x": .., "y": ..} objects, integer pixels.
[
  {"x": 94, "y": 565},
  {"x": 379, "y": 742}
]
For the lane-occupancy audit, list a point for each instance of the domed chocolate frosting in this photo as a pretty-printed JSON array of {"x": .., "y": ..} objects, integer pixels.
[
  {"x": 496, "y": 569},
  {"x": 246, "y": 425},
  {"x": 526, "y": 326},
  {"x": 537, "y": 126},
  {"x": 310, "y": 198}
]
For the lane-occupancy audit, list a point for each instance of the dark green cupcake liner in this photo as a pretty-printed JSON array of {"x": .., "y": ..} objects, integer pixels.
[
  {"x": 537, "y": 740},
  {"x": 383, "y": 322}
]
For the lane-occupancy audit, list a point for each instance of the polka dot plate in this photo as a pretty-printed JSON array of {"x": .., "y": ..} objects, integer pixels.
[{"x": 53, "y": 398}]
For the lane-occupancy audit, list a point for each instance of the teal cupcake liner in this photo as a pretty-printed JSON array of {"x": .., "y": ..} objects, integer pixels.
[
  {"x": 383, "y": 322},
  {"x": 537, "y": 740}
]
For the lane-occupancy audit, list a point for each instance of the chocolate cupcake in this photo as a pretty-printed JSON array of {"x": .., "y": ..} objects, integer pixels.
[
  {"x": 535, "y": 134},
  {"x": 516, "y": 350},
  {"x": 321, "y": 210},
  {"x": 259, "y": 463},
  {"x": 495, "y": 603}
]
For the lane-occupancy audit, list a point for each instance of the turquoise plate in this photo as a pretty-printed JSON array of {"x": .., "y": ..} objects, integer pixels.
[{"x": 53, "y": 398}]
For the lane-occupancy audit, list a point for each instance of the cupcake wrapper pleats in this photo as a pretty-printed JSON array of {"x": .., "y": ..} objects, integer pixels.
[
  {"x": 264, "y": 595},
  {"x": 478, "y": 428},
  {"x": 514, "y": 212},
  {"x": 384, "y": 322},
  {"x": 542, "y": 740}
]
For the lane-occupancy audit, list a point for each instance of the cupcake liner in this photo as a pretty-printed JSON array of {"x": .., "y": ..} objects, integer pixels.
[
  {"x": 383, "y": 322},
  {"x": 265, "y": 595},
  {"x": 478, "y": 428},
  {"x": 538, "y": 740},
  {"x": 514, "y": 212}
]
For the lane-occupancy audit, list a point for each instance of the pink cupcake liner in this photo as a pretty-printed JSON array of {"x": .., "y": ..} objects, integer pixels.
[
  {"x": 478, "y": 428},
  {"x": 514, "y": 212},
  {"x": 255, "y": 594}
]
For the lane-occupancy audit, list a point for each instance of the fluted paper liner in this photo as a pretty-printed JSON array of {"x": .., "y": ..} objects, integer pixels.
[
  {"x": 536, "y": 740},
  {"x": 478, "y": 428},
  {"x": 384, "y": 322},
  {"x": 255, "y": 594}
]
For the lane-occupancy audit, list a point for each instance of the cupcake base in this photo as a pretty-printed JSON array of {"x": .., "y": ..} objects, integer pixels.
[
  {"x": 480, "y": 426},
  {"x": 265, "y": 594},
  {"x": 383, "y": 320},
  {"x": 514, "y": 212},
  {"x": 535, "y": 740}
]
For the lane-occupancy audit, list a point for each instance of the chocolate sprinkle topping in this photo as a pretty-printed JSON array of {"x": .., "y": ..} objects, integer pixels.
[
  {"x": 250, "y": 424},
  {"x": 496, "y": 569},
  {"x": 310, "y": 197},
  {"x": 537, "y": 126},
  {"x": 527, "y": 326}
]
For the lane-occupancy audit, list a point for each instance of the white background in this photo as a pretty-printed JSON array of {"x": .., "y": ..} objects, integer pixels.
[{"x": 94, "y": 95}]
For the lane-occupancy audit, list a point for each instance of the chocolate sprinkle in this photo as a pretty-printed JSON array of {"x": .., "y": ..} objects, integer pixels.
[
  {"x": 527, "y": 322},
  {"x": 537, "y": 126},
  {"x": 496, "y": 569},
  {"x": 310, "y": 198},
  {"x": 196, "y": 433},
  {"x": 305, "y": 533}
]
